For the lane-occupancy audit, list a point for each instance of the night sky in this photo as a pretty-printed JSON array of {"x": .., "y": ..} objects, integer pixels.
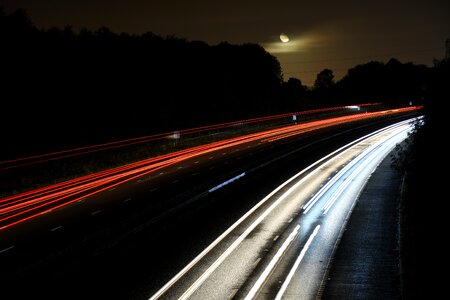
[{"x": 323, "y": 34}]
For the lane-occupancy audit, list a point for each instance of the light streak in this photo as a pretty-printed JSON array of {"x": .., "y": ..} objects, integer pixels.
[
  {"x": 372, "y": 155},
  {"x": 317, "y": 196},
  {"x": 296, "y": 264},
  {"x": 6, "y": 249},
  {"x": 24, "y": 161},
  {"x": 27, "y": 205},
  {"x": 249, "y": 229},
  {"x": 262, "y": 278},
  {"x": 214, "y": 265},
  {"x": 226, "y": 182},
  {"x": 189, "y": 266},
  {"x": 200, "y": 256}
]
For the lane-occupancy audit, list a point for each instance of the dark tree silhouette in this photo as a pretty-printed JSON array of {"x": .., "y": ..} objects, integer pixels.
[
  {"x": 62, "y": 88},
  {"x": 324, "y": 80},
  {"x": 295, "y": 95},
  {"x": 394, "y": 83},
  {"x": 323, "y": 90}
]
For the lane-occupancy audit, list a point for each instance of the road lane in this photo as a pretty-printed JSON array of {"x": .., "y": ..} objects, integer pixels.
[
  {"x": 25, "y": 206},
  {"x": 104, "y": 244},
  {"x": 366, "y": 263},
  {"x": 253, "y": 241},
  {"x": 36, "y": 159},
  {"x": 309, "y": 277}
]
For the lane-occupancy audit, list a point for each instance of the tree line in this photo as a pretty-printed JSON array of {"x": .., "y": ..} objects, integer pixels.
[{"x": 66, "y": 88}]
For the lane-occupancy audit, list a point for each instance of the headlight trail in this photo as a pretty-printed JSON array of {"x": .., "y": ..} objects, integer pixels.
[
  {"x": 371, "y": 152},
  {"x": 368, "y": 159},
  {"x": 193, "y": 279},
  {"x": 296, "y": 264},
  {"x": 253, "y": 292}
]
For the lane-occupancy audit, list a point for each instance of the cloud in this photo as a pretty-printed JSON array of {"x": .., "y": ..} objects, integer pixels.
[{"x": 298, "y": 43}]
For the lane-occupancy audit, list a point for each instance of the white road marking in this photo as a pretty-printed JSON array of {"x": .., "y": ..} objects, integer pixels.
[
  {"x": 95, "y": 212},
  {"x": 249, "y": 229},
  {"x": 237, "y": 242},
  {"x": 258, "y": 284},
  {"x": 126, "y": 200},
  {"x": 226, "y": 182},
  {"x": 56, "y": 228},
  {"x": 230, "y": 249},
  {"x": 233, "y": 293},
  {"x": 257, "y": 261},
  {"x": 296, "y": 264},
  {"x": 6, "y": 249}
]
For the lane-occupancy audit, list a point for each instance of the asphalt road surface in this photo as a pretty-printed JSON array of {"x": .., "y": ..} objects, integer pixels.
[
  {"x": 128, "y": 241},
  {"x": 281, "y": 248},
  {"x": 366, "y": 263}
]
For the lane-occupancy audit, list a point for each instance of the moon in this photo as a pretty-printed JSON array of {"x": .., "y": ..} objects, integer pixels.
[{"x": 284, "y": 38}]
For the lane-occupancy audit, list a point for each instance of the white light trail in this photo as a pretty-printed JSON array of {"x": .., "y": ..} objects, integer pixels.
[
  {"x": 296, "y": 264},
  {"x": 254, "y": 290},
  {"x": 226, "y": 182},
  {"x": 367, "y": 161},
  {"x": 376, "y": 148},
  {"x": 189, "y": 266},
  {"x": 249, "y": 229}
]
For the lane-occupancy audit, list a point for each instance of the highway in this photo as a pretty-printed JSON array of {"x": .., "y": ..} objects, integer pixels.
[
  {"x": 125, "y": 233},
  {"x": 27, "y": 205},
  {"x": 280, "y": 248},
  {"x": 57, "y": 155}
]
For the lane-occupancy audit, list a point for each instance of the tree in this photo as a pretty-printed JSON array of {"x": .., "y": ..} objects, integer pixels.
[
  {"x": 324, "y": 80},
  {"x": 294, "y": 95}
]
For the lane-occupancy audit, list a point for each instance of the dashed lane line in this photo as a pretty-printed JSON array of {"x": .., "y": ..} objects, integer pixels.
[
  {"x": 6, "y": 249},
  {"x": 56, "y": 228}
]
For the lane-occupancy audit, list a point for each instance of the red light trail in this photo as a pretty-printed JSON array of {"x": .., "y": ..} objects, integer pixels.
[
  {"x": 30, "y": 160},
  {"x": 27, "y": 205}
]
